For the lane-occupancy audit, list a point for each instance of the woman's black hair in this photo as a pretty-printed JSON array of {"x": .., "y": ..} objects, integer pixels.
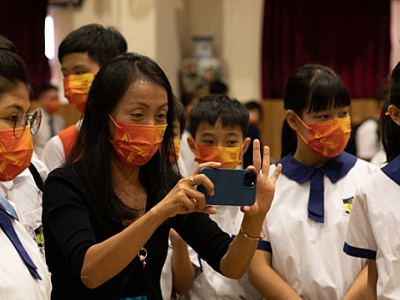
[
  {"x": 390, "y": 130},
  {"x": 311, "y": 88},
  {"x": 93, "y": 145}
]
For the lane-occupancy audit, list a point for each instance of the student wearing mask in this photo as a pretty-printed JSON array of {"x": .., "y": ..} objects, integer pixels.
[
  {"x": 52, "y": 122},
  {"x": 24, "y": 274},
  {"x": 301, "y": 256},
  {"x": 218, "y": 133},
  {"x": 373, "y": 226},
  {"x": 81, "y": 54},
  {"x": 22, "y": 178}
]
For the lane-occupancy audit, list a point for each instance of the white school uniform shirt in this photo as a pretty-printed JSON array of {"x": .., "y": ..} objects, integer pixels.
[
  {"x": 367, "y": 139},
  {"x": 16, "y": 282},
  {"x": 44, "y": 133},
  {"x": 53, "y": 154},
  {"x": 211, "y": 285},
  {"x": 373, "y": 230},
  {"x": 24, "y": 192},
  {"x": 307, "y": 254},
  {"x": 379, "y": 159}
]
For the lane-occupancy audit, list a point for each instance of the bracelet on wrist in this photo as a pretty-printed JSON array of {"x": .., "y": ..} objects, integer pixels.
[{"x": 252, "y": 238}]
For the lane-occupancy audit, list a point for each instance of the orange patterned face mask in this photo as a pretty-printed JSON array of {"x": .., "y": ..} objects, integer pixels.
[
  {"x": 135, "y": 144},
  {"x": 76, "y": 89},
  {"x": 328, "y": 138},
  {"x": 229, "y": 157},
  {"x": 15, "y": 153}
]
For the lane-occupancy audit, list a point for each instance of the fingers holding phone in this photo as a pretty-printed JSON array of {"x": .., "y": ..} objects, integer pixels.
[
  {"x": 211, "y": 164},
  {"x": 184, "y": 198}
]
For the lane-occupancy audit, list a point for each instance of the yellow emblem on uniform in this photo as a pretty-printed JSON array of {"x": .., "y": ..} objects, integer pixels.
[{"x": 347, "y": 204}]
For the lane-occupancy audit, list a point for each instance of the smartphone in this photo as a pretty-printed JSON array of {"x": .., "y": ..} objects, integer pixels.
[{"x": 232, "y": 187}]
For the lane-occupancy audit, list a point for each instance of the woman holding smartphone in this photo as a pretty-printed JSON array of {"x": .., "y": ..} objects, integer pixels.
[{"x": 108, "y": 213}]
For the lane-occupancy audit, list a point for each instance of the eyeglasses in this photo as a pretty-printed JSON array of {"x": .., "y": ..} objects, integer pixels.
[{"x": 23, "y": 120}]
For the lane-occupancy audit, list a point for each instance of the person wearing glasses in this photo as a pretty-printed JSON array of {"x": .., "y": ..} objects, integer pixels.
[
  {"x": 21, "y": 172},
  {"x": 24, "y": 273}
]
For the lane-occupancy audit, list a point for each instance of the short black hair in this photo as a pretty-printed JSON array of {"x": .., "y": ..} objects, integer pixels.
[
  {"x": 46, "y": 87},
  {"x": 102, "y": 44},
  {"x": 217, "y": 87},
  {"x": 187, "y": 98},
  {"x": 250, "y": 105},
  {"x": 180, "y": 115},
  {"x": 214, "y": 107}
]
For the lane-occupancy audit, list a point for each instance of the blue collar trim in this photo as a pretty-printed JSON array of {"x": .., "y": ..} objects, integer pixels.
[
  {"x": 392, "y": 169},
  {"x": 334, "y": 169}
]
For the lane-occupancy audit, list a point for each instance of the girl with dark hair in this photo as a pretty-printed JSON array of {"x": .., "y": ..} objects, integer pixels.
[
  {"x": 373, "y": 227},
  {"x": 24, "y": 274},
  {"x": 301, "y": 256},
  {"x": 107, "y": 214}
]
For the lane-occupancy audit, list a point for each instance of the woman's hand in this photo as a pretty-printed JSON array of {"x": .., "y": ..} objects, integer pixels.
[
  {"x": 265, "y": 185},
  {"x": 184, "y": 198}
]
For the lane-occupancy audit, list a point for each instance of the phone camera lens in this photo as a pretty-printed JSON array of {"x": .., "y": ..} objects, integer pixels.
[{"x": 249, "y": 179}]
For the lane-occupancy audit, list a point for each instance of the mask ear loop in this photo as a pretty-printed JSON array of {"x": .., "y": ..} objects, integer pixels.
[
  {"x": 115, "y": 123},
  {"x": 298, "y": 131}
]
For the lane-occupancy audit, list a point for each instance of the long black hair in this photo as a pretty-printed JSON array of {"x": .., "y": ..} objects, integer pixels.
[
  {"x": 311, "y": 88},
  {"x": 93, "y": 145},
  {"x": 390, "y": 130}
]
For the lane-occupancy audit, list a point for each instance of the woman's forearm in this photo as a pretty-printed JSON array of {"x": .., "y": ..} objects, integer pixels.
[
  {"x": 106, "y": 259},
  {"x": 240, "y": 252}
]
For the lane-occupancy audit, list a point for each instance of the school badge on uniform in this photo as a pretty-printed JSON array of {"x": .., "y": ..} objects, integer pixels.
[{"x": 347, "y": 204}]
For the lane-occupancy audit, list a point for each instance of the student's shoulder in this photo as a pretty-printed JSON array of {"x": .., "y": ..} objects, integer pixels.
[
  {"x": 52, "y": 145},
  {"x": 374, "y": 185},
  {"x": 363, "y": 165}
]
